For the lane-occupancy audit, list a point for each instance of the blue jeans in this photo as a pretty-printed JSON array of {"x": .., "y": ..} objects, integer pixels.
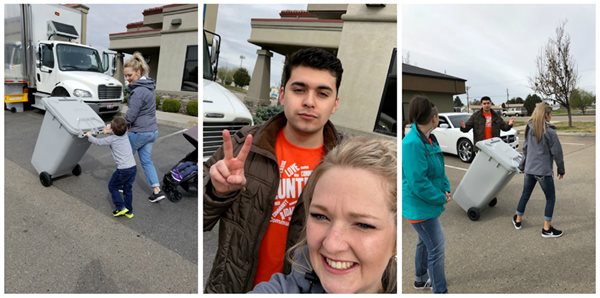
[
  {"x": 141, "y": 142},
  {"x": 122, "y": 179},
  {"x": 547, "y": 184},
  {"x": 429, "y": 258}
]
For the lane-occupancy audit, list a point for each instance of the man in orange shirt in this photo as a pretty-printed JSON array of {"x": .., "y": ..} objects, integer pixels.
[
  {"x": 486, "y": 123},
  {"x": 253, "y": 184}
]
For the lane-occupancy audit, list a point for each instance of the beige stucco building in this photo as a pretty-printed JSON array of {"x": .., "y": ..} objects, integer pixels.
[
  {"x": 168, "y": 39},
  {"x": 363, "y": 36}
]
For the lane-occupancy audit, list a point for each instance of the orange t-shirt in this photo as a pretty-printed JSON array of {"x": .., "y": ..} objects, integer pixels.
[
  {"x": 295, "y": 166},
  {"x": 488, "y": 125}
]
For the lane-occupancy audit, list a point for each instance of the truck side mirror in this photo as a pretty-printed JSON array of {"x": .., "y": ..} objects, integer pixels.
[
  {"x": 215, "y": 50},
  {"x": 105, "y": 60}
]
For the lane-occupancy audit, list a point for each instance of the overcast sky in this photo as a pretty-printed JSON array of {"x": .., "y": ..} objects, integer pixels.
[
  {"x": 494, "y": 47},
  {"x": 104, "y": 19},
  {"x": 233, "y": 24}
]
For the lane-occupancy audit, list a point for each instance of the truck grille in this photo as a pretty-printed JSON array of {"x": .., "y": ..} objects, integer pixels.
[
  {"x": 213, "y": 137},
  {"x": 109, "y": 92}
]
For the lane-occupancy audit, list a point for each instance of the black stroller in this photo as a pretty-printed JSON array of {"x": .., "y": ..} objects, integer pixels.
[{"x": 185, "y": 174}]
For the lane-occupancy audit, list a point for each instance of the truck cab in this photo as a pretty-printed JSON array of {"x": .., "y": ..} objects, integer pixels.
[
  {"x": 44, "y": 57},
  {"x": 221, "y": 108},
  {"x": 74, "y": 70}
]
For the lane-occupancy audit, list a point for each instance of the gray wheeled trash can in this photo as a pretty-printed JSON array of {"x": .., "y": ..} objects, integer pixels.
[
  {"x": 61, "y": 142},
  {"x": 493, "y": 167}
]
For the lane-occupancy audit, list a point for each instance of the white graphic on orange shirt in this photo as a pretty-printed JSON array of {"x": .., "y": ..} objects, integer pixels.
[{"x": 291, "y": 184}]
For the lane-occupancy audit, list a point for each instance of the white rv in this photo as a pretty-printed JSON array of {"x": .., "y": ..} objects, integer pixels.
[{"x": 44, "y": 57}]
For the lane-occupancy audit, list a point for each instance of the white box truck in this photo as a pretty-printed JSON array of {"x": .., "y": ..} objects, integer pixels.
[
  {"x": 44, "y": 57},
  {"x": 221, "y": 108}
]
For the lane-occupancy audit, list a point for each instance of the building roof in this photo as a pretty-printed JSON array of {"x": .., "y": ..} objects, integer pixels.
[{"x": 422, "y": 72}]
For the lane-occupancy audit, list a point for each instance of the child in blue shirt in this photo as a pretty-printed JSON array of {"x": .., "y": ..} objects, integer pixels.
[{"x": 124, "y": 175}]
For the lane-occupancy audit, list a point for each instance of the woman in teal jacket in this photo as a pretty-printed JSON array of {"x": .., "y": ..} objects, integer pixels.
[{"x": 425, "y": 192}]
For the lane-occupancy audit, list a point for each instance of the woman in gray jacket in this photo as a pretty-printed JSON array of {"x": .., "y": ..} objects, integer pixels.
[
  {"x": 141, "y": 119},
  {"x": 349, "y": 239},
  {"x": 540, "y": 149}
]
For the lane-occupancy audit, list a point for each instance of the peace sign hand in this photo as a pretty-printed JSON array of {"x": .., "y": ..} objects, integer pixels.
[{"x": 227, "y": 174}]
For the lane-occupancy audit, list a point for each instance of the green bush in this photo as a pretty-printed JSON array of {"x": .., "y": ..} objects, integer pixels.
[
  {"x": 264, "y": 113},
  {"x": 171, "y": 105},
  {"x": 157, "y": 101},
  {"x": 192, "y": 107},
  {"x": 126, "y": 94}
]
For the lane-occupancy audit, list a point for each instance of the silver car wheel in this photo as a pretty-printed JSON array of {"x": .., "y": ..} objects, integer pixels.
[{"x": 465, "y": 150}]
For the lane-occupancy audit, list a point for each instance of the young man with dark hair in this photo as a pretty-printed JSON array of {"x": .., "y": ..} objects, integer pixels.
[
  {"x": 124, "y": 175},
  {"x": 252, "y": 184},
  {"x": 486, "y": 123}
]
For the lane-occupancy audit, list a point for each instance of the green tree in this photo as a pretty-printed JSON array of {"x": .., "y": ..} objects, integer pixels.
[
  {"x": 519, "y": 100},
  {"x": 530, "y": 101},
  {"x": 458, "y": 102},
  {"x": 241, "y": 77},
  {"x": 225, "y": 75},
  {"x": 581, "y": 99}
]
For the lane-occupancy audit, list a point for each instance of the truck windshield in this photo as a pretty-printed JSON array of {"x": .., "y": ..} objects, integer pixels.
[
  {"x": 208, "y": 75},
  {"x": 76, "y": 58}
]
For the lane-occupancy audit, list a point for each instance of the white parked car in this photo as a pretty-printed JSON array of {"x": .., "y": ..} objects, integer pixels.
[{"x": 454, "y": 141}]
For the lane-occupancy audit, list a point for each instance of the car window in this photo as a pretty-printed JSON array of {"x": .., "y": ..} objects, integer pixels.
[
  {"x": 457, "y": 118},
  {"x": 442, "y": 121}
]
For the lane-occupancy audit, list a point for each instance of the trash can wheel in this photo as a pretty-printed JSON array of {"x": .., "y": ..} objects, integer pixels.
[
  {"x": 175, "y": 196},
  {"x": 473, "y": 213},
  {"x": 45, "y": 179},
  {"x": 493, "y": 202},
  {"x": 76, "y": 170}
]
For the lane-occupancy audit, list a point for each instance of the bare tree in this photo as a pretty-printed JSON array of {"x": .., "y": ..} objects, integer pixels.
[{"x": 556, "y": 70}]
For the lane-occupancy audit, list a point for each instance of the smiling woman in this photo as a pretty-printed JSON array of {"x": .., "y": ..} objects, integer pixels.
[{"x": 349, "y": 243}]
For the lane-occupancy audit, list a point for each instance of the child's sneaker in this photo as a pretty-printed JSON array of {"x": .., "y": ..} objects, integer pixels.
[
  {"x": 121, "y": 212},
  {"x": 517, "y": 225},
  {"x": 422, "y": 285},
  {"x": 552, "y": 233},
  {"x": 129, "y": 215}
]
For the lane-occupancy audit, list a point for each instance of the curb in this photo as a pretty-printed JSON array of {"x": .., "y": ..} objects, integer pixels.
[
  {"x": 521, "y": 130},
  {"x": 170, "y": 119}
]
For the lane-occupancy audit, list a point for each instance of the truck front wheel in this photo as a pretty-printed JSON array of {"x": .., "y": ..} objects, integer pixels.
[{"x": 60, "y": 92}]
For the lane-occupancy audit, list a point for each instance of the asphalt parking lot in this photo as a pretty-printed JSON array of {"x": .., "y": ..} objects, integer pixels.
[
  {"x": 64, "y": 239},
  {"x": 490, "y": 256}
]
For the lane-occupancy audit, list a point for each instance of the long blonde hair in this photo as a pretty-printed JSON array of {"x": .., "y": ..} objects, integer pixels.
[
  {"x": 138, "y": 63},
  {"x": 538, "y": 118},
  {"x": 376, "y": 155}
]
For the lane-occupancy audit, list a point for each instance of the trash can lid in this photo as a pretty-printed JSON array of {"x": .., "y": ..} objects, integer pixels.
[
  {"x": 74, "y": 114},
  {"x": 502, "y": 152}
]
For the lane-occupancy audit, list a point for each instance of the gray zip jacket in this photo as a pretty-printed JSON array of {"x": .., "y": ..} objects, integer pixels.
[
  {"x": 141, "y": 106},
  {"x": 120, "y": 149},
  {"x": 538, "y": 157},
  {"x": 301, "y": 280}
]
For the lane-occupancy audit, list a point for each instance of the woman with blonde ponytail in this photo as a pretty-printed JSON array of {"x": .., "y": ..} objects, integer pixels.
[
  {"x": 540, "y": 149},
  {"x": 141, "y": 118}
]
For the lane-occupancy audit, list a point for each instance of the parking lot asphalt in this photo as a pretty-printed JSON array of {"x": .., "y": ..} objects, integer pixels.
[
  {"x": 491, "y": 256},
  {"x": 64, "y": 239}
]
